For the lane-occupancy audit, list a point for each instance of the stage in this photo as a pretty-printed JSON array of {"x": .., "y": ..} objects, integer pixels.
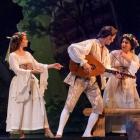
[
  {"x": 66, "y": 137},
  {"x": 52, "y": 26}
]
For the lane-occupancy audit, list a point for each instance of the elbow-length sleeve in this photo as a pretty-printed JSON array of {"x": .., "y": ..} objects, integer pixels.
[{"x": 43, "y": 76}]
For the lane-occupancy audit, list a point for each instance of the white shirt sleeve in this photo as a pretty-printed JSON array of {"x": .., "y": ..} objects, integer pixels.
[{"x": 78, "y": 51}]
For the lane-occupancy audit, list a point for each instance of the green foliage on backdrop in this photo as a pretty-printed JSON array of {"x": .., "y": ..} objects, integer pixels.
[
  {"x": 52, "y": 26},
  {"x": 35, "y": 22}
]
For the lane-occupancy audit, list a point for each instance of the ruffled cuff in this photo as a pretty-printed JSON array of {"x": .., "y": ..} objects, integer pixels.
[{"x": 83, "y": 61}]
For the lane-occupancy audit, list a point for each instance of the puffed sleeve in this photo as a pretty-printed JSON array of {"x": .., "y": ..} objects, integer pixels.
[
  {"x": 14, "y": 65},
  {"x": 78, "y": 51}
]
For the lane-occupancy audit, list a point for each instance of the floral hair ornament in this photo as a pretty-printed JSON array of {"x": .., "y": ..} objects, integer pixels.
[
  {"x": 16, "y": 35},
  {"x": 132, "y": 37}
]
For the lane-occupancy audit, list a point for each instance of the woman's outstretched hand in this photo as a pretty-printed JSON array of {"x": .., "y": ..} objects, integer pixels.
[{"x": 57, "y": 66}]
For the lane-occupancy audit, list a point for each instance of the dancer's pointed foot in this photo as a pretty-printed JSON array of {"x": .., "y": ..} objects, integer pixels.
[
  {"x": 48, "y": 133},
  {"x": 58, "y": 136},
  {"x": 22, "y": 135},
  {"x": 87, "y": 135}
]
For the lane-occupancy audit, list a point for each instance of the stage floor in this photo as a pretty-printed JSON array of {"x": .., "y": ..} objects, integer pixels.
[{"x": 65, "y": 137}]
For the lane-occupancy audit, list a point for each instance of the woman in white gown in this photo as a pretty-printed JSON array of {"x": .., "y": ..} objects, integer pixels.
[
  {"x": 26, "y": 105},
  {"x": 121, "y": 91}
]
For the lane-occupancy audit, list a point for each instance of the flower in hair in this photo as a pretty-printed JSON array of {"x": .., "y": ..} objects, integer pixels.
[
  {"x": 16, "y": 35},
  {"x": 132, "y": 37}
]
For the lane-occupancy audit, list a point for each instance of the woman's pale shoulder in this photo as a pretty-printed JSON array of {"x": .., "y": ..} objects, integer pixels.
[
  {"x": 13, "y": 54},
  {"x": 28, "y": 53}
]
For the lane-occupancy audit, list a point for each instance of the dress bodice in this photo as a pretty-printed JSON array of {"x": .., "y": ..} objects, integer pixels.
[
  {"x": 24, "y": 59},
  {"x": 118, "y": 62}
]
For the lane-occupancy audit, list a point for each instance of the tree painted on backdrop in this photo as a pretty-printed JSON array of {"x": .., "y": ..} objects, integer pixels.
[{"x": 52, "y": 26}]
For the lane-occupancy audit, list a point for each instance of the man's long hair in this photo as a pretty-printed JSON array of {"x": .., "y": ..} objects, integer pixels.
[{"x": 106, "y": 31}]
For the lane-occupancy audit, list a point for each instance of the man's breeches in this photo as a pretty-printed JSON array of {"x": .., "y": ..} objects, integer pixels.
[{"x": 92, "y": 92}]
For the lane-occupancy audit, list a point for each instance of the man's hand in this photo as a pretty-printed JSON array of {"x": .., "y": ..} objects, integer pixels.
[
  {"x": 118, "y": 75},
  {"x": 87, "y": 68}
]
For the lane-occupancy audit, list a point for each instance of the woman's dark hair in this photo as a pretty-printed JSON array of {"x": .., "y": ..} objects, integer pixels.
[
  {"x": 106, "y": 31},
  {"x": 15, "y": 41},
  {"x": 131, "y": 38}
]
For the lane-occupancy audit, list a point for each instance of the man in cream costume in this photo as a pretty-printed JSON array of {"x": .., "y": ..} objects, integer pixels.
[{"x": 77, "y": 53}]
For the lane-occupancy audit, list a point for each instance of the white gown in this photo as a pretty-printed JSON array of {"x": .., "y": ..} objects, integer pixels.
[
  {"x": 121, "y": 93},
  {"x": 26, "y": 105}
]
